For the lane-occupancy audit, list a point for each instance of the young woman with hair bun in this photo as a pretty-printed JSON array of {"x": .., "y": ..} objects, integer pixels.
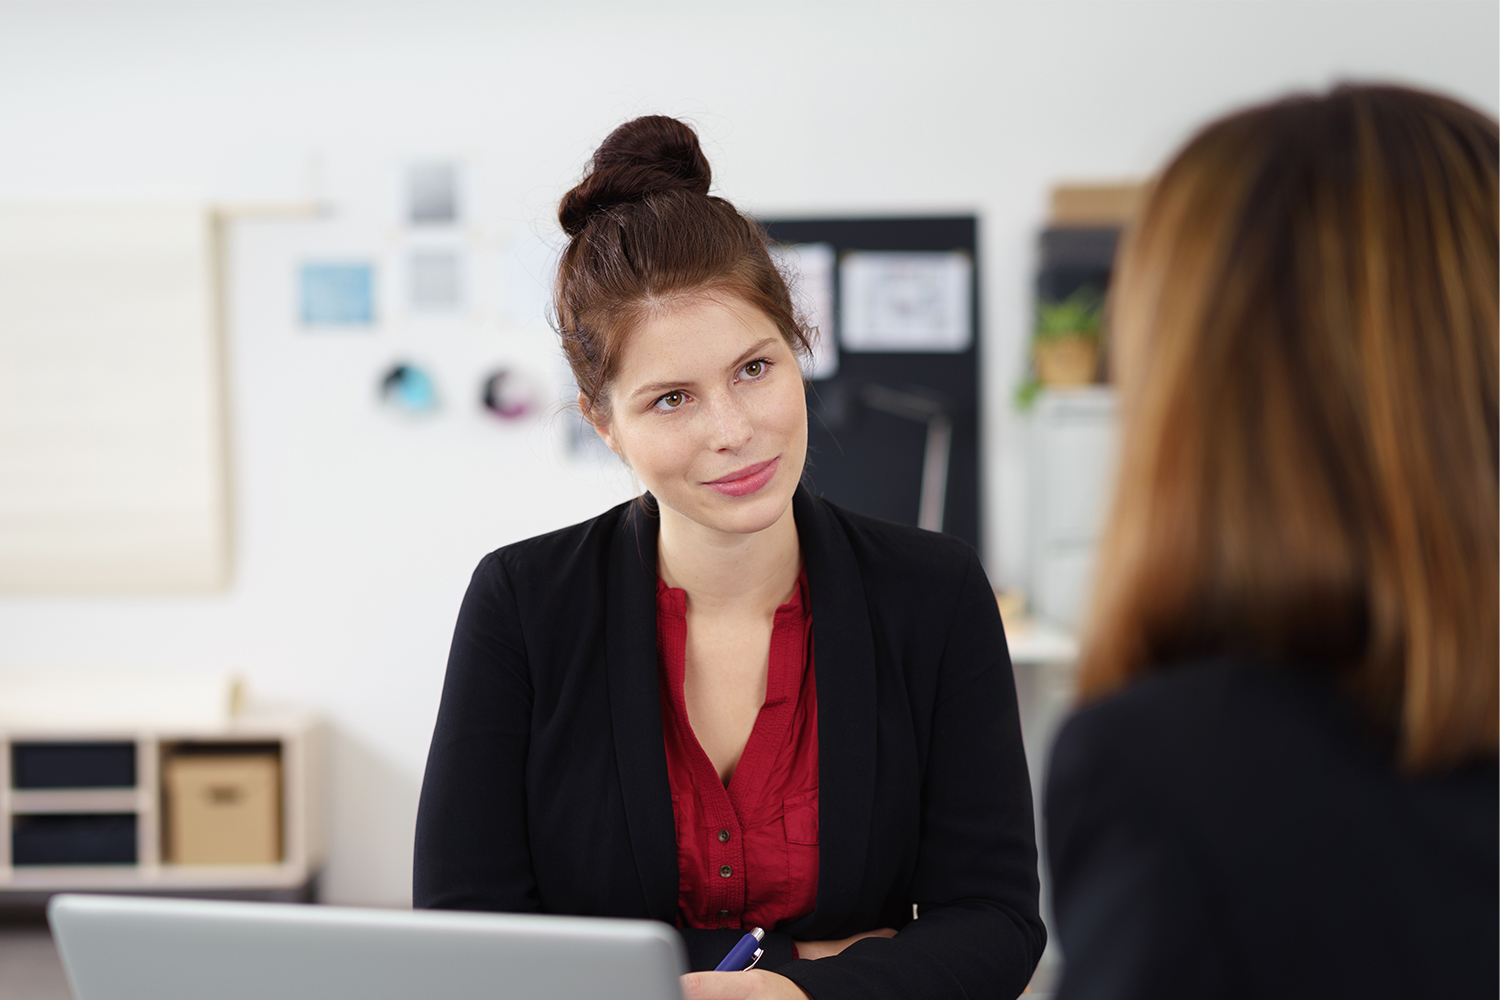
[{"x": 729, "y": 704}]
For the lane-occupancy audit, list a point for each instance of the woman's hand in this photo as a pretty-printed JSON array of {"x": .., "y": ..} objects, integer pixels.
[
  {"x": 756, "y": 984},
  {"x": 823, "y": 949}
]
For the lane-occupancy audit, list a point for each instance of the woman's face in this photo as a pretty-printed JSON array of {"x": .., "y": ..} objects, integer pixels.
[{"x": 708, "y": 410}]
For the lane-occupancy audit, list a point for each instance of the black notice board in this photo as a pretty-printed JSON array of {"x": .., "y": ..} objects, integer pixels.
[{"x": 861, "y": 456}]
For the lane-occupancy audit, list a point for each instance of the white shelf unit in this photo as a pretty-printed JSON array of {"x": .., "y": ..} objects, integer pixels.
[
  {"x": 299, "y": 740},
  {"x": 1073, "y": 457}
]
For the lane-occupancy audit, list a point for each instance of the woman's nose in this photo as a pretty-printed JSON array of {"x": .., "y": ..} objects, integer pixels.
[{"x": 731, "y": 424}]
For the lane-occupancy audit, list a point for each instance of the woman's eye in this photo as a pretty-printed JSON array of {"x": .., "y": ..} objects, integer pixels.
[
  {"x": 754, "y": 369},
  {"x": 670, "y": 401}
]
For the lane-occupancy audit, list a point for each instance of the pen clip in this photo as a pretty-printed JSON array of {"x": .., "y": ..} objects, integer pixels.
[{"x": 755, "y": 958}]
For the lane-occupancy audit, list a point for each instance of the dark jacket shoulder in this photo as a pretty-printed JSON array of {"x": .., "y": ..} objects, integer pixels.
[
  {"x": 1277, "y": 830},
  {"x": 1212, "y": 705},
  {"x": 1238, "y": 740},
  {"x": 573, "y": 547},
  {"x": 561, "y": 569},
  {"x": 1228, "y": 716}
]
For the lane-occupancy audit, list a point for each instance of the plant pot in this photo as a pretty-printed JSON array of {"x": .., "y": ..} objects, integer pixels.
[{"x": 1068, "y": 360}]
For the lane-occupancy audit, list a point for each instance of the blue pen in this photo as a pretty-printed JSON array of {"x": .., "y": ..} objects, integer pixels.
[{"x": 743, "y": 956}]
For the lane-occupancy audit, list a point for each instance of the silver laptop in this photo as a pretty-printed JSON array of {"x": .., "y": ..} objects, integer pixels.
[{"x": 138, "y": 948}]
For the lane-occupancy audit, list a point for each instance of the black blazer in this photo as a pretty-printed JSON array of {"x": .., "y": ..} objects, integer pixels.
[
  {"x": 546, "y": 785},
  {"x": 1226, "y": 829}
]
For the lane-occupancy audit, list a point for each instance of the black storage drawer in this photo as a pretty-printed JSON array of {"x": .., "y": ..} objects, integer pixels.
[
  {"x": 72, "y": 765},
  {"x": 74, "y": 839}
]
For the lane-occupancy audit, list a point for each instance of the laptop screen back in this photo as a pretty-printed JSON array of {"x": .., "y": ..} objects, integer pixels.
[{"x": 137, "y": 948}]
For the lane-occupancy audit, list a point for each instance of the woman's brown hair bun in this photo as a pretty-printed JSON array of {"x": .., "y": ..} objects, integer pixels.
[
  {"x": 645, "y": 235},
  {"x": 644, "y": 156}
]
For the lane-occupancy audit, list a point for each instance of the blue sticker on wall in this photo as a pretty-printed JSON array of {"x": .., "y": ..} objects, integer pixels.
[
  {"x": 341, "y": 294},
  {"x": 410, "y": 389}
]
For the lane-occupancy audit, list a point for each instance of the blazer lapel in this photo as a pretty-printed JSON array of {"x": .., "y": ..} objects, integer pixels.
[
  {"x": 844, "y": 664},
  {"x": 635, "y": 709}
]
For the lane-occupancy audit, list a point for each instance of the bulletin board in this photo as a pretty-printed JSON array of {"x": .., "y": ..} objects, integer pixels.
[{"x": 901, "y": 334}]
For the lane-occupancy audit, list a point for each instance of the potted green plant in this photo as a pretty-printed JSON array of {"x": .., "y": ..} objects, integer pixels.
[{"x": 1064, "y": 344}]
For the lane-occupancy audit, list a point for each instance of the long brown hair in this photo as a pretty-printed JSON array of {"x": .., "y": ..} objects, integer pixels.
[
  {"x": 1305, "y": 331},
  {"x": 645, "y": 234}
]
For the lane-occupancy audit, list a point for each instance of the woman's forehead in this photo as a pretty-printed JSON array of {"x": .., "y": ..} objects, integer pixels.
[{"x": 703, "y": 334}]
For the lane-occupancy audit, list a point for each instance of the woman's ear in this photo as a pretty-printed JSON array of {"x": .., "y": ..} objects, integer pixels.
[{"x": 601, "y": 429}]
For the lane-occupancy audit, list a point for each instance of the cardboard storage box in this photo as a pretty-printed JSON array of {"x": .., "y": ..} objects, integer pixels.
[{"x": 223, "y": 809}]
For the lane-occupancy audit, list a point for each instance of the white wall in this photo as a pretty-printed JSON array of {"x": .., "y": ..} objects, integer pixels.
[{"x": 356, "y": 534}]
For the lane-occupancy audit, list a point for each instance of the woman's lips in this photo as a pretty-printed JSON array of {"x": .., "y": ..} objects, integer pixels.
[{"x": 750, "y": 479}]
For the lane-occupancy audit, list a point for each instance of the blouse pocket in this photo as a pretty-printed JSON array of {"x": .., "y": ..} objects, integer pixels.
[{"x": 800, "y": 815}]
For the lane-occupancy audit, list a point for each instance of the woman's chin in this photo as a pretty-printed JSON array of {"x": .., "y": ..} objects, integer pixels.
[{"x": 736, "y": 515}]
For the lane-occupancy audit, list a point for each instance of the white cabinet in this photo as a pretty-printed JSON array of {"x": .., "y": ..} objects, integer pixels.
[
  {"x": 1072, "y": 467},
  {"x": 87, "y": 808}
]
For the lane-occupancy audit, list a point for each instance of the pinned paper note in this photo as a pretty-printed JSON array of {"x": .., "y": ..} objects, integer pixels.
[
  {"x": 907, "y": 302},
  {"x": 809, "y": 269}
]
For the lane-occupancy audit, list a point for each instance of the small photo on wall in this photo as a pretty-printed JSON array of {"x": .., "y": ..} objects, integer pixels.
[
  {"x": 508, "y": 394},
  {"x": 337, "y": 294},
  {"x": 407, "y": 388},
  {"x": 432, "y": 193},
  {"x": 436, "y": 280}
]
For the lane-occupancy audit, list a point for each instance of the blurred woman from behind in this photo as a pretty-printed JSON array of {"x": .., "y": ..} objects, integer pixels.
[{"x": 1283, "y": 780}]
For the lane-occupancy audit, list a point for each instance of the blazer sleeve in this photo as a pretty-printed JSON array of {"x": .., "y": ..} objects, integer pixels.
[
  {"x": 1131, "y": 911},
  {"x": 472, "y": 846},
  {"x": 978, "y": 931}
]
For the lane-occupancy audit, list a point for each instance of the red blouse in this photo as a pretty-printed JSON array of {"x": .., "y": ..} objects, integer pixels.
[{"x": 747, "y": 855}]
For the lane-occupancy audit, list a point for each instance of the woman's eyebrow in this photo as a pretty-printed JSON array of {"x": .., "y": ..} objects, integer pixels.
[
  {"x": 656, "y": 388},
  {"x": 752, "y": 352}
]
